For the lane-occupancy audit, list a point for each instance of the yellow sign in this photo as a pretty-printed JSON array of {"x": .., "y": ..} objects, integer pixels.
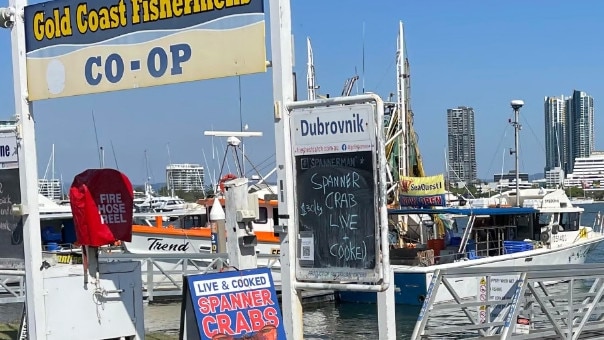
[
  {"x": 583, "y": 232},
  {"x": 93, "y": 46},
  {"x": 422, "y": 186}
]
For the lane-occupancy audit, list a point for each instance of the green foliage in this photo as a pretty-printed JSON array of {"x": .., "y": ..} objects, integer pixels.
[{"x": 574, "y": 192}]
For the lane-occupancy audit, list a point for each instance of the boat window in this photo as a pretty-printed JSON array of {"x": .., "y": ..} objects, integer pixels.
[
  {"x": 570, "y": 221},
  {"x": 193, "y": 221},
  {"x": 524, "y": 228},
  {"x": 545, "y": 219},
  {"x": 262, "y": 216},
  {"x": 141, "y": 221}
]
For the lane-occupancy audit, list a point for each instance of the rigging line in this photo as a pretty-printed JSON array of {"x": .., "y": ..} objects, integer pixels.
[
  {"x": 96, "y": 136},
  {"x": 238, "y": 162},
  {"x": 533, "y": 132},
  {"x": 502, "y": 167},
  {"x": 257, "y": 172},
  {"x": 266, "y": 167},
  {"x": 497, "y": 148},
  {"x": 114, "y": 157},
  {"x": 386, "y": 72},
  {"x": 265, "y": 160},
  {"x": 212, "y": 179},
  {"x": 222, "y": 165}
]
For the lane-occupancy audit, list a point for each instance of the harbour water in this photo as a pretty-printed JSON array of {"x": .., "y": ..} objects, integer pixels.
[
  {"x": 321, "y": 321},
  {"x": 343, "y": 320}
]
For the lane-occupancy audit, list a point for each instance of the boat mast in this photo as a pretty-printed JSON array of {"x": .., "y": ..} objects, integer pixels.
[
  {"x": 401, "y": 107},
  {"x": 516, "y": 105},
  {"x": 310, "y": 72}
]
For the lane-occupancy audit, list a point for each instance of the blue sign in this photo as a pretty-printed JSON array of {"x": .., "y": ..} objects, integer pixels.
[{"x": 236, "y": 305}]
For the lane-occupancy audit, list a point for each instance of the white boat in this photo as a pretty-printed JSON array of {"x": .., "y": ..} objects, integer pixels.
[
  {"x": 544, "y": 229},
  {"x": 581, "y": 200}
]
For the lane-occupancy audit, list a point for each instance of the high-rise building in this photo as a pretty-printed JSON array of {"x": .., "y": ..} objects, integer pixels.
[
  {"x": 580, "y": 122},
  {"x": 461, "y": 150},
  {"x": 184, "y": 177},
  {"x": 569, "y": 130},
  {"x": 556, "y": 146}
]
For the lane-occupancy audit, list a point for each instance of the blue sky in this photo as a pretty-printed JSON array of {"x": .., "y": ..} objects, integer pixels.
[{"x": 473, "y": 53}]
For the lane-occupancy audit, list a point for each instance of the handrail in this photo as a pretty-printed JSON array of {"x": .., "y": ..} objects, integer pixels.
[
  {"x": 466, "y": 234},
  {"x": 562, "y": 311}
]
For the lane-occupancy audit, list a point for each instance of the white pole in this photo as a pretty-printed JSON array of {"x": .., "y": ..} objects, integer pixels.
[
  {"x": 283, "y": 93},
  {"x": 28, "y": 173},
  {"x": 402, "y": 107},
  {"x": 310, "y": 72}
]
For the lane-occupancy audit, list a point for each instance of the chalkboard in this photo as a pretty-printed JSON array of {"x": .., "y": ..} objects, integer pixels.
[
  {"x": 335, "y": 198},
  {"x": 11, "y": 226}
]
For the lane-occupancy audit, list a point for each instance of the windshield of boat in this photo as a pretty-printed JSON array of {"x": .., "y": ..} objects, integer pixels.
[
  {"x": 570, "y": 221},
  {"x": 545, "y": 219}
]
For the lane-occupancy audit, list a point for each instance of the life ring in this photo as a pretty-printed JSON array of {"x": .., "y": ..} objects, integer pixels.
[{"x": 225, "y": 178}]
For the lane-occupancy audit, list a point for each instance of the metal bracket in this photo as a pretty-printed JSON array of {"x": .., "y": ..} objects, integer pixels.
[
  {"x": 245, "y": 216},
  {"x": 248, "y": 241},
  {"x": 280, "y": 229}
]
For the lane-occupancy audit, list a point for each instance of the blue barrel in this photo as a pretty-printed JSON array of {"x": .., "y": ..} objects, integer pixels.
[{"x": 52, "y": 246}]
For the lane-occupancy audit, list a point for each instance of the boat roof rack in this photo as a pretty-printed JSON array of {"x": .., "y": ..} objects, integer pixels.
[{"x": 464, "y": 211}]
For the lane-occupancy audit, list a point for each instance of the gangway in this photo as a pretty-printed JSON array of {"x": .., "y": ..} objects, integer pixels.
[{"x": 541, "y": 302}]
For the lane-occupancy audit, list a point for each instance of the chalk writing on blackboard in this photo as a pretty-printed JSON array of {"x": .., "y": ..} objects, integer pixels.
[{"x": 335, "y": 194}]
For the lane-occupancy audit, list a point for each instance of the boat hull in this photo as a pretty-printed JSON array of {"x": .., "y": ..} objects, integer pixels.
[
  {"x": 154, "y": 243},
  {"x": 411, "y": 282}
]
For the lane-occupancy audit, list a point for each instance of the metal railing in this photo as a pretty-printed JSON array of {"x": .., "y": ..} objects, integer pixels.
[
  {"x": 12, "y": 287},
  {"x": 161, "y": 273},
  {"x": 560, "y": 302}
]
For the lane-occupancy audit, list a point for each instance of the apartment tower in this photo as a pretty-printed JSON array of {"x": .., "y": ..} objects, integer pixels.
[
  {"x": 461, "y": 149},
  {"x": 569, "y": 130},
  {"x": 185, "y": 177}
]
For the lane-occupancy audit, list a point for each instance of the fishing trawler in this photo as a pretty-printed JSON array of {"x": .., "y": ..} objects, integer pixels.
[{"x": 521, "y": 227}]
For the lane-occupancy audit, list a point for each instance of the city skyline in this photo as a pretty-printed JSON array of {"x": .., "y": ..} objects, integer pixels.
[{"x": 452, "y": 62}]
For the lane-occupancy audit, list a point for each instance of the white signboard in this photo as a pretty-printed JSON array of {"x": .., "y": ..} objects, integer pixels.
[
  {"x": 335, "y": 181},
  {"x": 8, "y": 149}
]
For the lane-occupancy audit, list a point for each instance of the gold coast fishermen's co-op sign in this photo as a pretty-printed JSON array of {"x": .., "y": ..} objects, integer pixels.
[{"x": 81, "y": 47}]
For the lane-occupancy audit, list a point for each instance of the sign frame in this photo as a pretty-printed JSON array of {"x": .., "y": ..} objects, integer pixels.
[
  {"x": 96, "y": 46},
  {"x": 8, "y": 148},
  {"x": 193, "y": 319},
  {"x": 344, "y": 278}
]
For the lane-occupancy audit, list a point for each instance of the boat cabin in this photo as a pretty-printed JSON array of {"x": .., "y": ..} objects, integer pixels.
[{"x": 488, "y": 232}]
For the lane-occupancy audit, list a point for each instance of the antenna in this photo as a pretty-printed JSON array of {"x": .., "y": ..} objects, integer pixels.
[
  {"x": 233, "y": 142},
  {"x": 53, "y": 163},
  {"x": 516, "y": 105},
  {"x": 240, "y": 109},
  {"x": 170, "y": 174},
  {"x": 96, "y": 136},
  {"x": 363, "y": 66}
]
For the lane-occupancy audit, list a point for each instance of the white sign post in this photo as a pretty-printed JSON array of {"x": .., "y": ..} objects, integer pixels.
[
  {"x": 28, "y": 170},
  {"x": 337, "y": 205},
  {"x": 340, "y": 194}
]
